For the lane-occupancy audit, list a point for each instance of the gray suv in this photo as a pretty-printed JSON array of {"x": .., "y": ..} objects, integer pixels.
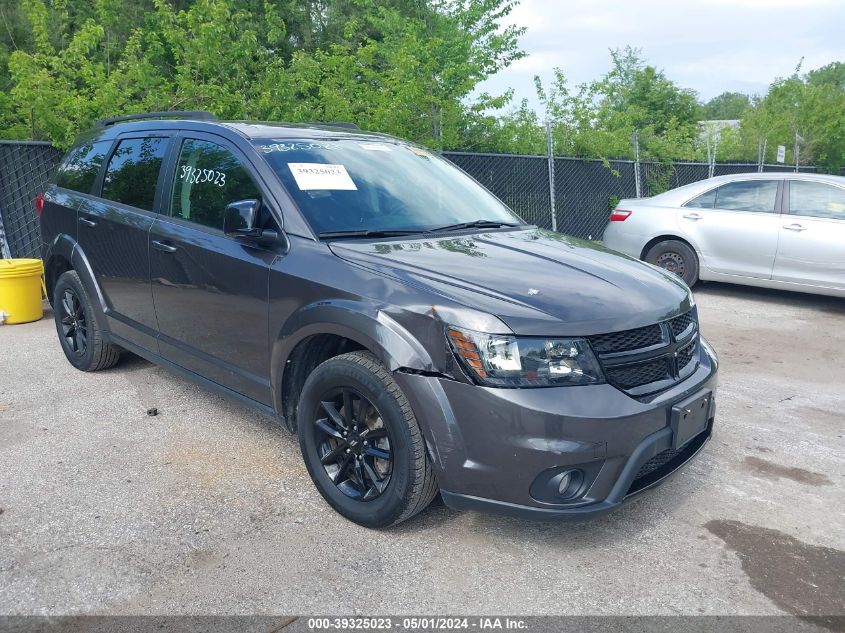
[{"x": 415, "y": 333}]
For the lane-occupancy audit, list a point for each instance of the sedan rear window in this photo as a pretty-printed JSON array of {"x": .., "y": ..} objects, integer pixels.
[
  {"x": 748, "y": 195},
  {"x": 704, "y": 201},
  {"x": 375, "y": 185},
  {"x": 816, "y": 199}
]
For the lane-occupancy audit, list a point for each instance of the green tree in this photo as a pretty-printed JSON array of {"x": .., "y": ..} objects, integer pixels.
[
  {"x": 728, "y": 105},
  {"x": 832, "y": 74},
  {"x": 598, "y": 119},
  {"x": 403, "y": 66},
  {"x": 807, "y": 107}
]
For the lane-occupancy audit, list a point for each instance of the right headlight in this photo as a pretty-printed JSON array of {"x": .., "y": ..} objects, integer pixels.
[{"x": 501, "y": 360}]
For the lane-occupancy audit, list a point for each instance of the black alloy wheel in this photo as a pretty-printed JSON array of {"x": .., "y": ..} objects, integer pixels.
[
  {"x": 353, "y": 444},
  {"x": 80, "y": 332},
  {"x": 73, "y": 322},
  {"x": 361, "y": 442}
]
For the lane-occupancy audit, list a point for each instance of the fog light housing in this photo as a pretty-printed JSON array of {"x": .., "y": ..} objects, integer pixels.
[{"x": 569, "y": 483}]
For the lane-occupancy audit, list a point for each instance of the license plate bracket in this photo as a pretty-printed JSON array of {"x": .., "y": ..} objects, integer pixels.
[{"x": 689, "y": 418}]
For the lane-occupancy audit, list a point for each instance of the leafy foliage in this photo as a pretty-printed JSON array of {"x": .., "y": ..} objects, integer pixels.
[
  {"x": 405, "y": 67},
  {"x": 726, "y": 106}
]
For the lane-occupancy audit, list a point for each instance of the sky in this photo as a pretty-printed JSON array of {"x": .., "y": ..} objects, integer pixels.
[{"x": 711, "y": 46}]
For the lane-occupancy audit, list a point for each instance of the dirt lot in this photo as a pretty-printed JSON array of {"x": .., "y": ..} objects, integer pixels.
[{"x": 207, "y": 507}]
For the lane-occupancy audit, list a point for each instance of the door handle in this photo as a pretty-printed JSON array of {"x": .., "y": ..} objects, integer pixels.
[
  {"x": 87, "y": 221},
  {"x": 164, "y": 248},
  {"x": 693, "y": 216},
  {"x": 795, "y": 227}
]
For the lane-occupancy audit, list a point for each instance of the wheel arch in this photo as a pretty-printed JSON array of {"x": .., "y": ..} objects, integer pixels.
[
  {"x": 667, "y": 236},
  {"x": 330, "y": 328},
  {"x": 63, "y": 254}
]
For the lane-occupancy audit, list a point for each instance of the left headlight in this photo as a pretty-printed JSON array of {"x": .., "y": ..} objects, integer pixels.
[{"x": 501, "y": 360}]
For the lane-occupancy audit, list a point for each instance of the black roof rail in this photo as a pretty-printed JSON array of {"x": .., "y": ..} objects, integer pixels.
[
  {"x": 345, "y": 124},
  {"x": 200, "y": 115}
]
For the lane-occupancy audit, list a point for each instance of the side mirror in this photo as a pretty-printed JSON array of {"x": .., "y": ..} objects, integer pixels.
[{"x": 240, "y": 218}]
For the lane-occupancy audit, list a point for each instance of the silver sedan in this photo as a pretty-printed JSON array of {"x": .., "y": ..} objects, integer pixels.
[{"x": 772, "y": 230}]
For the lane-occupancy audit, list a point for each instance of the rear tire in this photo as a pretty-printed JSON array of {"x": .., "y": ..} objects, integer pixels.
[
  {"x": 79, "y": 332},
  {"x": 676, "y": 257},
  {"x": 361, "y": 442}
]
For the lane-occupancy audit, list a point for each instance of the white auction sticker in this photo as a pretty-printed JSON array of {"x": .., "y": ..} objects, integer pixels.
[
  {"x": 311, "y": 176},
  {"x": 375, "y": 147}
]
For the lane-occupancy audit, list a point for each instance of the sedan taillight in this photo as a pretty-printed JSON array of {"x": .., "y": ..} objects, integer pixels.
[
  {"x": 39, "y": 203},
  {"x": 619, "y": 215}
]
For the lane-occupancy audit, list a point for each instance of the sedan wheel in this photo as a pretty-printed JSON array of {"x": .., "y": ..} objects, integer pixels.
[{"x": 677, "y": 257}]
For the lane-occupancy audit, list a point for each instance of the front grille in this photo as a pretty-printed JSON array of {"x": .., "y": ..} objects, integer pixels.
[
  {"x": 665, "y": 463},
  {"x": 658, "y": 461},
  {"x": 628, "y": 340},
  {"x": 651, "y": 358},
  {"x": 680, "y": 324},
  {"x": 686, "y": 354},
  {"x": 635, "y": 375}
]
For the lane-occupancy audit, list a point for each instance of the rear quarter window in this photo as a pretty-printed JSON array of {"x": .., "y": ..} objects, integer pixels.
[
  {"x": 132, "y": 173},
  {"x": 79, "y": 169},
  {"x": 706, "y": 200}
]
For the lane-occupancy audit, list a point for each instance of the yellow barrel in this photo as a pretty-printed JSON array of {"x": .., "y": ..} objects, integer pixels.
[{"x": 20, "y": 290}]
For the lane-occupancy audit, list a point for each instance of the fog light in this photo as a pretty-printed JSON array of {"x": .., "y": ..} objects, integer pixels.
[
  {"x": 569, "y": 482},
  {"x": 563, "y": 485}
]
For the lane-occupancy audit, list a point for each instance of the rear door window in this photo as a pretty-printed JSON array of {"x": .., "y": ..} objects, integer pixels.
[
  {"x": 704, "y": 201},
  {"x": 208, "y": 177},
  {"x": 132, "y": 172},
  {"x": 79, "y": 170},
  {"x": 816, "y": 199},
  {"x": 749, "y": 195}
]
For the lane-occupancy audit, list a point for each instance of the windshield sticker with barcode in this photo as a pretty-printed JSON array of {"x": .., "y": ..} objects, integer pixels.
[
  {"x": 311, "y": 176},
  {"x": 375, "y": 147}
]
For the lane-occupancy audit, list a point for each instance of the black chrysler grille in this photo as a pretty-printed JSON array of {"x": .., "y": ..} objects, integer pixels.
[
  {"x": 642, "y": 374},
  {"x": 665, "y": 463},
  {"x": 686, "y": 354},
  {"x": 628, "y": 340},
  {"x": 651, "y": 358},
  {"x": 680, "y": 324},
  {"x": 657, "y": 461}
]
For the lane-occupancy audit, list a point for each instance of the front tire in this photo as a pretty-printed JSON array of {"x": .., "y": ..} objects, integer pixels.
[
  {"x": 79, "y": 332},
  {"x": 676, "y": 257},
  {"x": 361, "y": 442}
]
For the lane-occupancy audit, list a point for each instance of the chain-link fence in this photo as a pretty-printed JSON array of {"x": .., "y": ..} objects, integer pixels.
[
  {"x": 585, "y": 191},
  {"x": 521, "y": 182},
  {"x": 24, "y": 170}
]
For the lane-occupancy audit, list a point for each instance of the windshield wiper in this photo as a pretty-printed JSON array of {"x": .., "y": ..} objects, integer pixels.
[
  {"x": 475, "y": 224},
  {"x": 327, "y": 235}
]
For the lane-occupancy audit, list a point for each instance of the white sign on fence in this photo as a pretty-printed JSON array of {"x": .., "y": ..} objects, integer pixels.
[{"x": 781, "y": 153}]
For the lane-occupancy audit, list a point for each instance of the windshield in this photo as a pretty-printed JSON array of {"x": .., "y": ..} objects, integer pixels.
[{"x": 362, "y": 185}]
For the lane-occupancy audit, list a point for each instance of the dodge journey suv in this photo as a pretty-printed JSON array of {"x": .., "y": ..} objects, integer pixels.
[{"x": 417, "y": 335}]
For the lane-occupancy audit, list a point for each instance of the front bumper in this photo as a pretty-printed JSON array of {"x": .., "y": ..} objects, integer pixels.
[{"x": 491, "y": 446}]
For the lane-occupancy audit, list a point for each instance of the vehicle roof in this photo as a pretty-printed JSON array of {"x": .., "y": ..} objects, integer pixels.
[
  {"x": 677, "y": 196},
  {"x": 768, "y": 175},
  {"x": 252, "y": 130}
]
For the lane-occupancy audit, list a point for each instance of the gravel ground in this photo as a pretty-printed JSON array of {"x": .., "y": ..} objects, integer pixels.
[{"x": 207, "y": 508}]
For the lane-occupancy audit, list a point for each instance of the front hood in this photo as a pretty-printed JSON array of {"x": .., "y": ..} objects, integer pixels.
[{"x": 536, "y": 281}]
